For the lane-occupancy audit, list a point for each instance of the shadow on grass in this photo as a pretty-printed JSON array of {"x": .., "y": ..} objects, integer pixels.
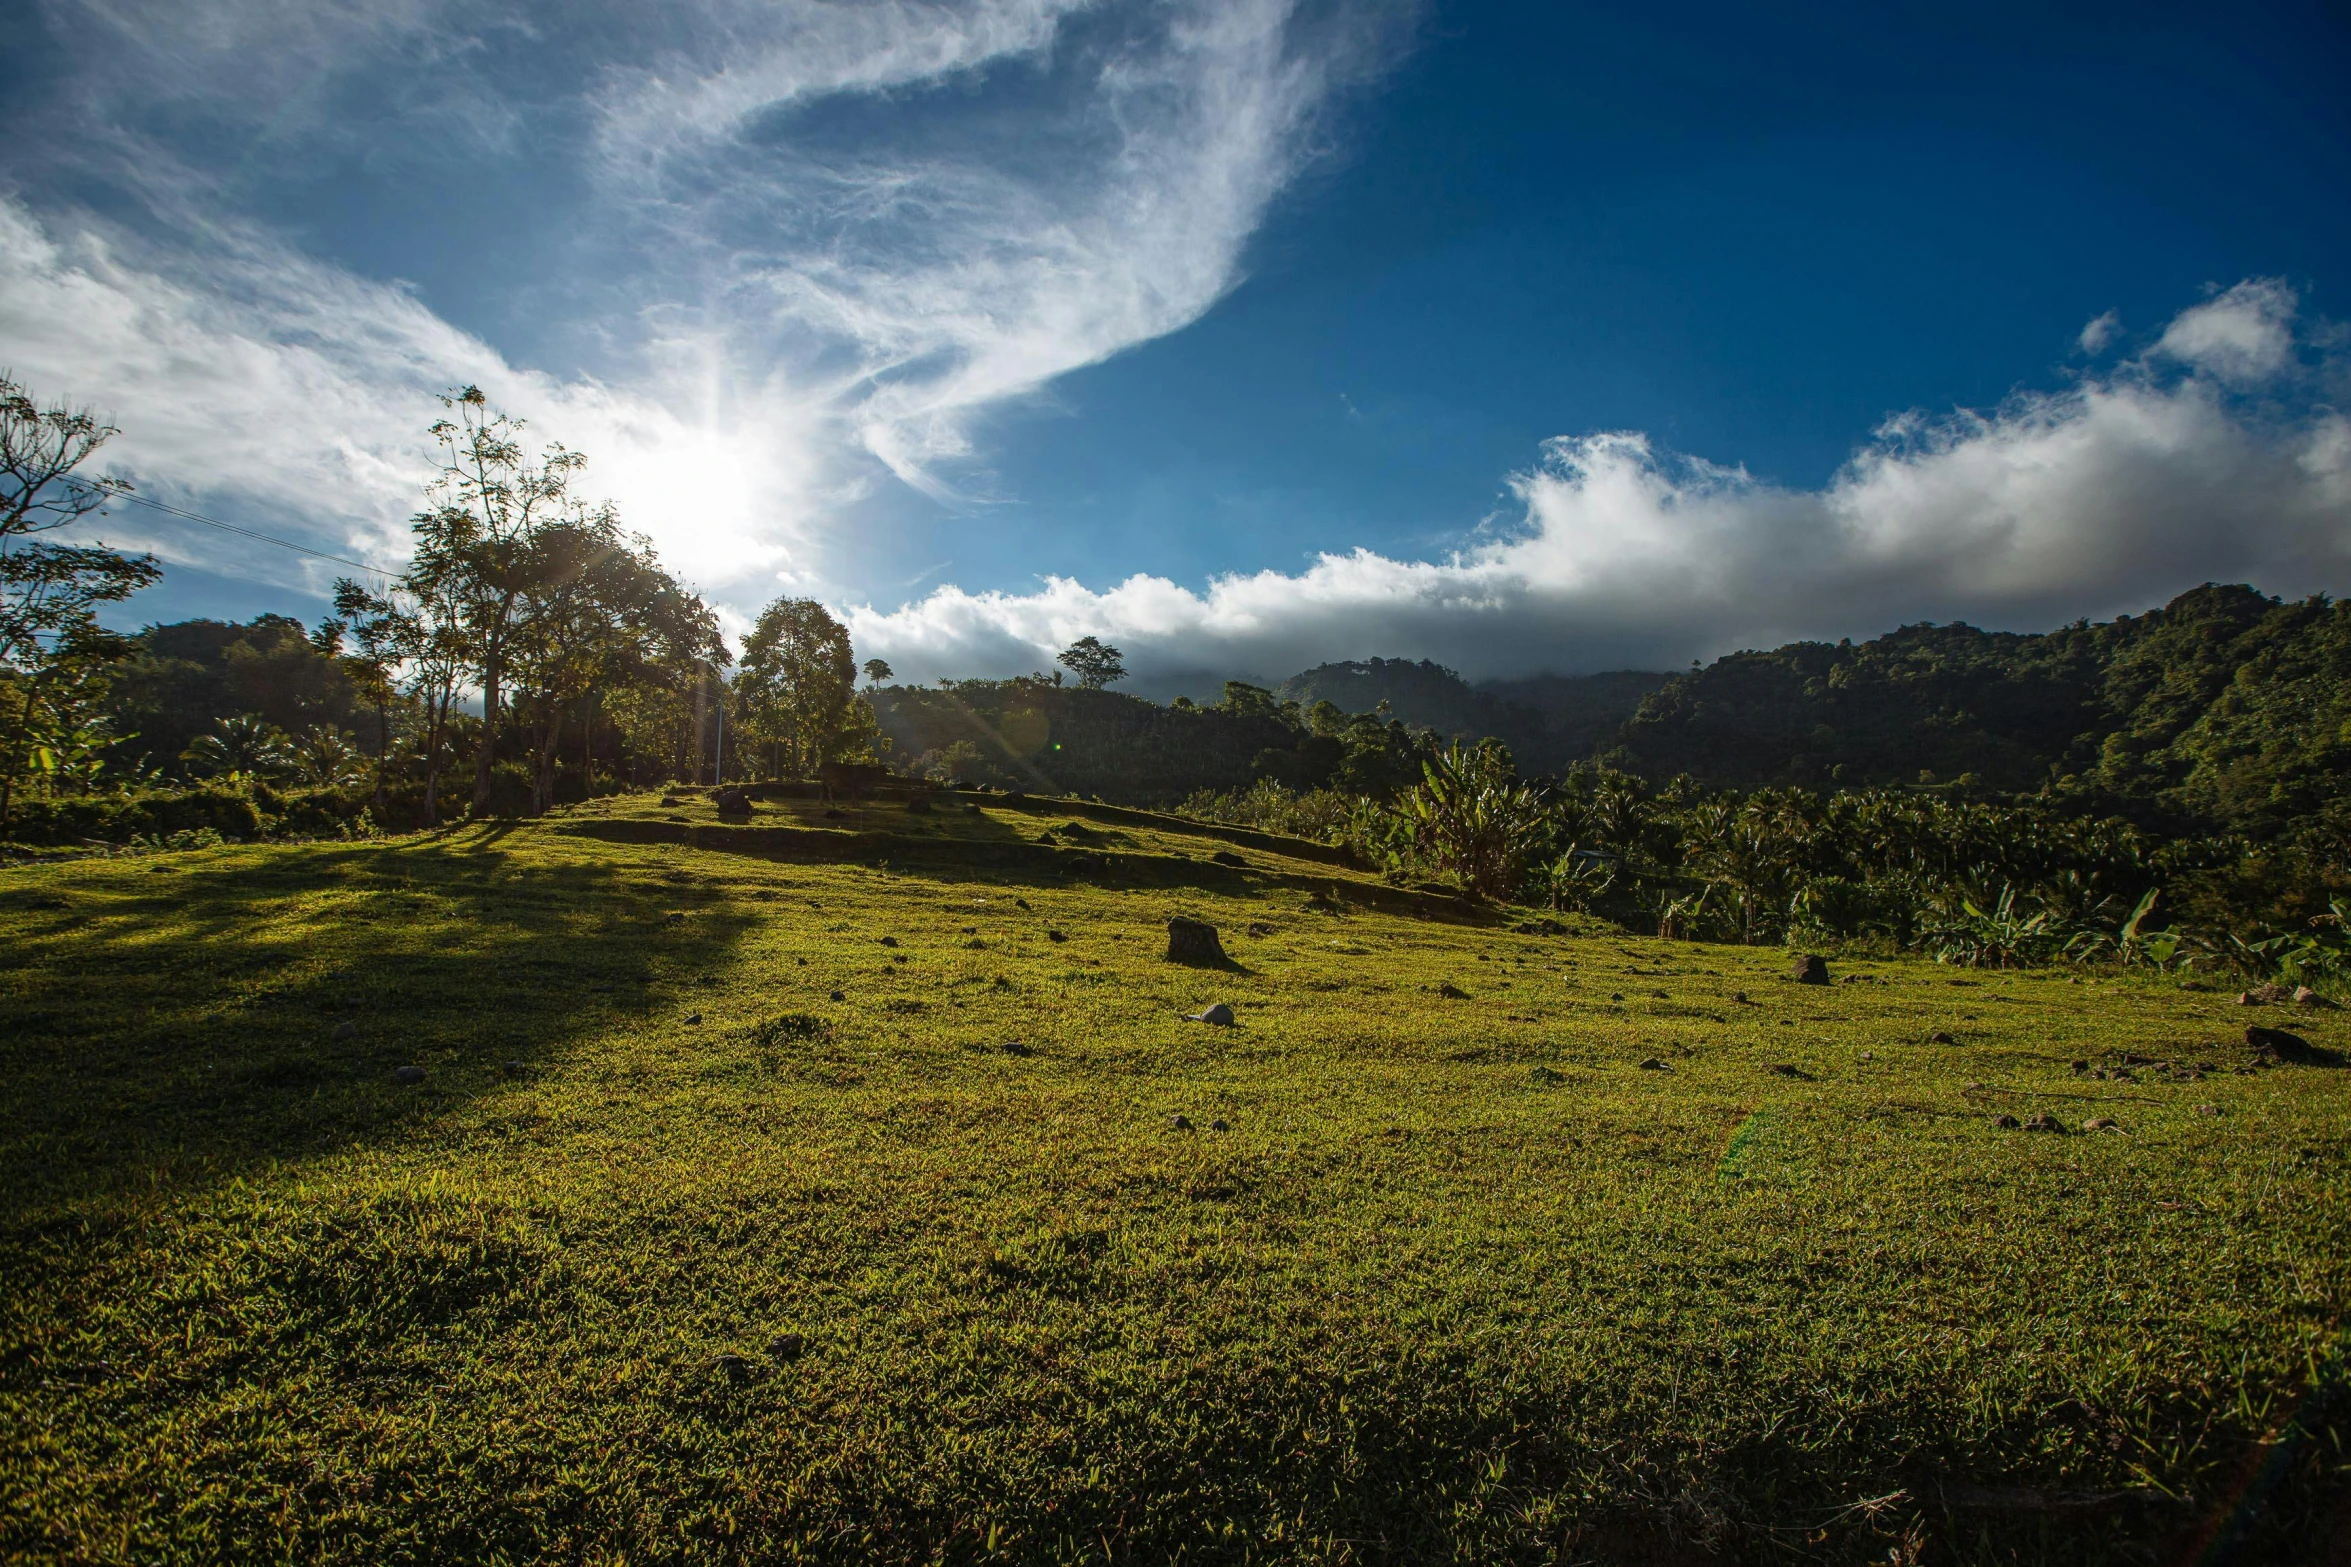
[
  {"x": 158, "y": 1032},
  {"x": 1014, "y": 860}
]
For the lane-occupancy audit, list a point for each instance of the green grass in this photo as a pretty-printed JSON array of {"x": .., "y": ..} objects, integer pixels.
[{"x": 1460, "y": 1280}]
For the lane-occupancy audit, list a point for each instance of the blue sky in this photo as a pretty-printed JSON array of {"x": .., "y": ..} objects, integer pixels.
[{"x": 1244, "y": 333}]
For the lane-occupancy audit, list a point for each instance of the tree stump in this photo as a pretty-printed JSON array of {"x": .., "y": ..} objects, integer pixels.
[
  {"x": 1194, "y": 942},
  {"x": 1811, "y": 969},
  {"x": 733, "y": 802}
]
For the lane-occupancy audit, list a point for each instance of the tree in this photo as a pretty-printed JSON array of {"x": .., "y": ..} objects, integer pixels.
[
  {"x": 480, "y": 534},
  {"x": 797, "y": 693},
  {"x": 54, "y": 656},
  {"x": 1094, "y": 662},
  {"x": 370, "y": 665},
  {"x": 877, "y": 670},
  {"x": 599, "y": 611},
  {"x": 418, "y": 633},
  {"x": 245, "y": 746},
  {"x": 1471, "y": 817}
]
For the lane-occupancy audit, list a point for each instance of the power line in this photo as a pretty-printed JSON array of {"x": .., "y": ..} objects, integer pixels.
[{"x": 252, "y": 533}]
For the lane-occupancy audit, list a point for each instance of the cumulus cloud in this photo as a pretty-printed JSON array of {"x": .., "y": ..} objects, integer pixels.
[
  {"x": 2244, "y": 334},
  {"x": 2107, "y": 496}
]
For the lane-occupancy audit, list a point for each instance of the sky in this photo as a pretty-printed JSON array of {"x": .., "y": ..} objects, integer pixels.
[{"x": 1244, "y": 334}]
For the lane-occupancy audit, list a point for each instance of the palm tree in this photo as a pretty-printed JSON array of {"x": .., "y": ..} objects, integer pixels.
[{"x": 246, "y": 746}]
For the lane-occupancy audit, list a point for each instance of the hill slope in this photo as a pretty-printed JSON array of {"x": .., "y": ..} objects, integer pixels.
[
  {"x": 2224, "y": 705},
  {"x": 761, "y": 1206}
]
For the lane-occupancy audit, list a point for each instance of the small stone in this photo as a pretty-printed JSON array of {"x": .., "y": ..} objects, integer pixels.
[
  {"x": 1784, "y": 1069},
  {"x": 514, "y": 1069},
  {"x": 1940, "y": 1037},
  {"x": 1616, "y": 995},
  {"x": 693, "y": 1017},
  {"x": 1054, "y": 935},
  {"x": 1020, "y": 903},
  {"x": 2081, "y": 1066},
  {"x": 2045, "y": 1122},
  {"x": 787, "y": 1346},
  {"x": 676, "y": 918},
  {"x": 1219, "y": 1016},
  {"x": 733, "y": 1367},
  {"x": 837, "y": 996},
  {"x": 2006, "y": 1123},
  {"x": 2304, "y": 996},
  {"x": 889, "y": 941},
  {"x": 971, "y": 930},
  {"x": 2208, "y": 1109},
  {"x": 1739, "y": 998},
  {"x": 1013, "y": 1047},
  {"x": 1218, "y": 1125},
  {"x": 1260, "y": 928},
  {"x": 1655, "y": 1065},
  {"x": 1179, "y": 1123},
  {"x": 1227, "y": 857},
  {"x": 1452, "y": 991},
  {"x": 1046, "y": 837},
  {"x": 2101, "y": 1123},
  {"x": 410, "y": 1075},
  {"x": 1545, "y": 1077},
  {"x": 346, "y": 1029},
  {"x": 1810, "y": 969}
]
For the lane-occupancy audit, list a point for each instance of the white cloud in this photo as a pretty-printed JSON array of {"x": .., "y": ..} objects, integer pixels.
[
  {"x": 801, "y": 305},
  {"x": 935, "y": 274},
  {"x": 2099, "y": 334},
  {"x": 2244, "y": 334},
  {"x": 2110, "y": 496},
  {"x": 303, "y": 392}
]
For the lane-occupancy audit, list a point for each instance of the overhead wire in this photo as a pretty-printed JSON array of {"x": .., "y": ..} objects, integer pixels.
[{"x": 255, "y": 534}]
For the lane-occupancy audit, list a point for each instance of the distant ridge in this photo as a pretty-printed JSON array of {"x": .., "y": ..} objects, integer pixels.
[{"x": 1546, "y": 720}]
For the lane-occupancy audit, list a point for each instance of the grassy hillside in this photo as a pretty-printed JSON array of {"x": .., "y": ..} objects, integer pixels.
[{"x": 813, "y": 1190}]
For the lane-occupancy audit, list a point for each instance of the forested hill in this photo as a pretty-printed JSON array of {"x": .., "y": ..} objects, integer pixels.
[
  {"x": 2224, "y": 705},
  {"x": 1547, "y": 721}
]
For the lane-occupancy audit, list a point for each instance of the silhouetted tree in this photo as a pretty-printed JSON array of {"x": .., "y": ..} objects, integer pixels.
[{"x": 1094, "y": 662}]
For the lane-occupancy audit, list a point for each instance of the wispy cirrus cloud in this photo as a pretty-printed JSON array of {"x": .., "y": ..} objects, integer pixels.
[
  {"x": 2217, "y": 454},
  {"x": 812, "y": 240}
]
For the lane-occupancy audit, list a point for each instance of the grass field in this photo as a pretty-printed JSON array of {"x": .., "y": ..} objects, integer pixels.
[{"x": 828, "y": 1202}]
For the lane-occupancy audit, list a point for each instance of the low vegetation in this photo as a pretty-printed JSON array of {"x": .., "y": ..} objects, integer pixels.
[{"x": 846, "y": 1184}]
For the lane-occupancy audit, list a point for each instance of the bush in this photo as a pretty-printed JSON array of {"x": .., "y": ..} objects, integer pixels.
[{"x": 183, "y": 816}]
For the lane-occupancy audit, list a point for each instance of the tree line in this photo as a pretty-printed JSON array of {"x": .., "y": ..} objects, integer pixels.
[{"x": 533, "y": 649}]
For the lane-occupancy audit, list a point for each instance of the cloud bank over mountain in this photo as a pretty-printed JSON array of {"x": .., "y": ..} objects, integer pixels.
[
  {"x": 2217, "y": 453},
  {"x": 765, "y": 261}
]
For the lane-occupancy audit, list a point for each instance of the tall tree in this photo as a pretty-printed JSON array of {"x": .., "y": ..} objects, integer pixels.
[
  {"x": 1096, "y": 663},
  {"x": 54, "y": 656},
  {"x": 600, "y": 611},
  {"x": 481, "y": 530},
  {"x": 797, "y": 693},
  {"x": 421, "y": 630}
]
